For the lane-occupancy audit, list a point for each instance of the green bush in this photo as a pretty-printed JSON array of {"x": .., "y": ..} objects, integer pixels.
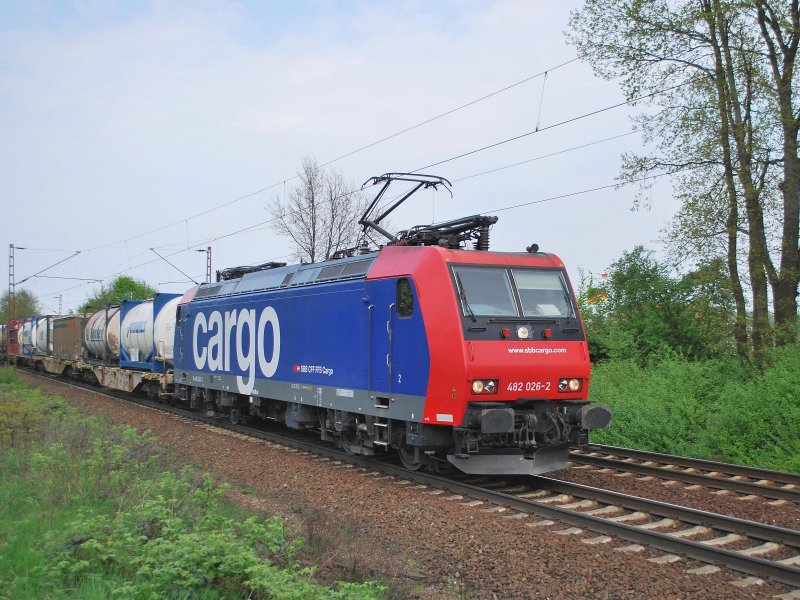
[
  {"x": 713, "y": 409},
  {"x": 181, "y": 541},
  {"x": 758, "y": 420},
  {"x": 92, "y": 510}
]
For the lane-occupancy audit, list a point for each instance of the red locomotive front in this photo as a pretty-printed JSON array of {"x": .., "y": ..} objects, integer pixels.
[{"x": 509, "y": 365}]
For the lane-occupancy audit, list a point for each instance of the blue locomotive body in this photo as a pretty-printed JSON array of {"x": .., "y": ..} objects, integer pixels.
[{"x": 300, "y": 335}]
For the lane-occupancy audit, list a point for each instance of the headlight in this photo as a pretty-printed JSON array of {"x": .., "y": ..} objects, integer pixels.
[
  {"x": 523, "y": 333},
  {"x": 485, "y": 386},
  {"x": 570, "y": 385}
]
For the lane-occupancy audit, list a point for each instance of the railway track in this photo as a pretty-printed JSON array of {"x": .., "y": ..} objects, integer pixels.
[
  {"x": 756, "y": 549},
  {"x": 762, "y": 550},
  {"x": 715, "y": 475}
]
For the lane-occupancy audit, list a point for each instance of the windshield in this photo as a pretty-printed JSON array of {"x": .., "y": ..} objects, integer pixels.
[
  {"x": 486, "y": 291},
  {"x": 542, "y": 293},
  {"x": 493, "y": 291}
]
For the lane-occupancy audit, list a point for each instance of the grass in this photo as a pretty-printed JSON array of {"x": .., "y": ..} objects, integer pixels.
[
  {"x": 91, "y": 510},
  {"x": 713, "y": 409}
]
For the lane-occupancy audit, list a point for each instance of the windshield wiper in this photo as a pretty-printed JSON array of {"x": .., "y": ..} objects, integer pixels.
[
  {"x": 464, "y": 302},
  {"x": 568, "y": 305}
]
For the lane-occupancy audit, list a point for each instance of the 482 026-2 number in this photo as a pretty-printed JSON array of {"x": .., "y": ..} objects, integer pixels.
[{"x": 528, "y": 386}]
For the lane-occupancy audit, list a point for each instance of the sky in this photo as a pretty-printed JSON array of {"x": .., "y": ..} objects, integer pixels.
[{"x": 170, "y": 125}]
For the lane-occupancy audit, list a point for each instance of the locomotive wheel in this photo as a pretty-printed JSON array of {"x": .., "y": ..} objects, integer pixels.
[
  {"x": 235, "y": 417},
  {"x": 349, "y": 443},
  {"x": 406, "y": 455}
]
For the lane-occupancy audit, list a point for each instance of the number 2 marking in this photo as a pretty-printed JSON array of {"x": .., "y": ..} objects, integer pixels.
[{"x": 399, "y": 378}]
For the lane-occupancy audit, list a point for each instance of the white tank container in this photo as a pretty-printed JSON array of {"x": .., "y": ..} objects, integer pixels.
[
  {"x": 44, "y": 335},
  {"x": 164, "y": 331},
  {"x": 101, "y": 334},
  {"x": 28, "y": 338},
  {"x": 141, "y": 333},
  {"x": 136, "y": 333}
]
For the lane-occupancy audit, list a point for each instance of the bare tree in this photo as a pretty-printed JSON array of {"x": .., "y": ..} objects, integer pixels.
[{"x": 320, "y": 214}]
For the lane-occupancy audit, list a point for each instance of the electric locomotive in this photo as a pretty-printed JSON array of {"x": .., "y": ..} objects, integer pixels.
[{"x": 445, "y": 355}]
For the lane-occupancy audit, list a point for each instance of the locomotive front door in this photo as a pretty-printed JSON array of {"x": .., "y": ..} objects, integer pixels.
[
  {"x": 405, "y": 340},
  {"x": 379, "y": 310},
  {"x": 398, "y": 352}
]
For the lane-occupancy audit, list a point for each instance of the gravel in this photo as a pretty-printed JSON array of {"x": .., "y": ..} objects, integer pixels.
[
  {"x": 782, "y": 514},
  {"x": 429, "y": 546}
]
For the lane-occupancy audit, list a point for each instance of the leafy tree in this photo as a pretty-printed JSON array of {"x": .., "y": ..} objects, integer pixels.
[
  {"x": 720, "y": 74},
  {"x": 320, "y": 214},
  {"x": 122, "y": 288},
  {"x": 710, "y": 303},
  {"x": 641, "y": 311},
  {"x": 26, "y": 303}
]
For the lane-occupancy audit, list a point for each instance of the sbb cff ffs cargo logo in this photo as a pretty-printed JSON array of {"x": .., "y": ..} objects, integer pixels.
[{"x": 219, "y": 336}]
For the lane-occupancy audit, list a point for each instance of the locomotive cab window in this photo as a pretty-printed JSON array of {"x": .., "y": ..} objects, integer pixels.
[
  {"x": 543, "y": 293},
  {"x": 405, "y": 298},
  {"x": 485, "y": 291}
]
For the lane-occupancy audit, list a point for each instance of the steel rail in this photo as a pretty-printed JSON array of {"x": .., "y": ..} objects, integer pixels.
[
  {"x": 760, "y": 567},
  {"x": 753, "y": 529},
  {"x": 721, "y": 483},
  {"x": 699, "y": 463},
  {"x": 782, "y": 573}
]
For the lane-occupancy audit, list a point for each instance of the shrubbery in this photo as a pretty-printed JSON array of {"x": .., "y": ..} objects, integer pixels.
[
  {"x": 94, "y": 511},
  {"x": 640, "y": 311},
  {"x": 666, "y": 362},
  {"x": 715, "y": 409}
]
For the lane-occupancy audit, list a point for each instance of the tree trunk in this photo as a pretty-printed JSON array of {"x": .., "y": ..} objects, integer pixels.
[
  {"x": 758, "y": 259},
  {"x": 740, "y": 323},
  {"x": 786, "y": 285},
  {"x": 785, "y": 292}
]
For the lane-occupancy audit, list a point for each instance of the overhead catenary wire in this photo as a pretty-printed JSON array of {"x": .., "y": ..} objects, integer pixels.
[
  {"x": 63, "y": 260},
  {"x": 172, "y": 265},
  {"x": 346, "y": 155},
  {"x": 255, "y": 226},
  {"x": 283, "y": 181},
  {"x": 29, "y": 249},
  {"x": 541, "y": 102},
  {"x": 453, "y": 158},
  {"x": 588, "y": 190},
  {"x": 57, "y": 277},
  {"x": 616, "y": 185},
  {"x": 548, "y": 155},
  {"x": 553, "y": 126},
  {"x": 458, "y": 108}
]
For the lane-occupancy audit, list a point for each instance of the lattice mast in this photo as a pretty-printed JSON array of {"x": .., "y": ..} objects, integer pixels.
[{"x": 12, "y": 287}]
